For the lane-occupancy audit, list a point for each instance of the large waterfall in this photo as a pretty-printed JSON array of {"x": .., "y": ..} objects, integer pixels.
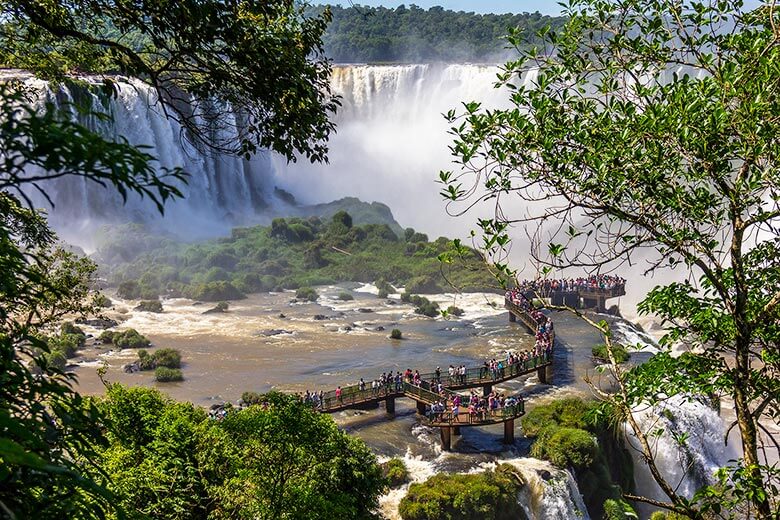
[
  {"x": 222, "y": 190},
  {"x": 390, "y": 144},
  {"x": 392, "y": 140}
]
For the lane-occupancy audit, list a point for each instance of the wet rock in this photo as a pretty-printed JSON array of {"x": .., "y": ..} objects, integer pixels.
[
  {"x": 99, "y": 323},
  {"x": 320, "y": 317},
  {"x": 131, "y": 368},
  {"x": 379, "y": 329},
  {"x": 346, "y": 328},
  {"x": 273, "y": 332},
  {"x": 545, "y": 475},
  {"x": 149, "y": 306},
  {"x": 365, "y": 310},
  {"x": 281, "y": 316},
  {"x": 391, "y": 302}
]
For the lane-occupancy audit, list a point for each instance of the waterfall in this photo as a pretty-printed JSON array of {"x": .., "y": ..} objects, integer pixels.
[
  {"x": 392, "y": 140},
  {"x": 222, "y": 191},
  {"x": 686, "y": 465}
]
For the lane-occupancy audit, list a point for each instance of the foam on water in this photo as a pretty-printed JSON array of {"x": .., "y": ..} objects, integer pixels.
[{"x": 634, "y": 339}]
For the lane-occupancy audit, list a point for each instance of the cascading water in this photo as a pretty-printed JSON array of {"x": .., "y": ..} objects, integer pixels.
[
  {"x": 222, "y": 191},
  {"x": 688, "y": 448},
  {"x": 392, "y": 139}
]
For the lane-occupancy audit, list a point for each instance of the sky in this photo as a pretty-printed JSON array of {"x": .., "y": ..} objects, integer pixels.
[{"x": 550, "y": 7}]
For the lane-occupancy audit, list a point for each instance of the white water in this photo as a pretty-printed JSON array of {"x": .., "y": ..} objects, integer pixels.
[
  {"x": 686, "y": 464},
  {"x": 222, "y": 190}
]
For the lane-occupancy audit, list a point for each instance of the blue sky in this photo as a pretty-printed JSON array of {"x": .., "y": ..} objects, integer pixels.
[{"x": 480, "y": 6}]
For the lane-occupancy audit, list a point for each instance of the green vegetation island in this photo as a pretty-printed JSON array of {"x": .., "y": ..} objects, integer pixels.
[{"x": 291, "y": 253}]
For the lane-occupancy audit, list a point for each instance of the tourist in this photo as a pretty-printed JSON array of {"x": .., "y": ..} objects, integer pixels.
[{"x": 338, "y": 394}]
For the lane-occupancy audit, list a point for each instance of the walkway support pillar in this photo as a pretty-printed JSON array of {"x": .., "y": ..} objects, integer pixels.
[
  {"x": 420, "y": 407},
  {"x": 456, "y": 430},
  {"x": 509, "y": 431},
  {"x": 545, "y": 374},
  {"x": 486, "y": 390},
  {"x": 446, "y": 439},
  {"x": 390, "y": 405},
  {"x": 512, "y": 317}
]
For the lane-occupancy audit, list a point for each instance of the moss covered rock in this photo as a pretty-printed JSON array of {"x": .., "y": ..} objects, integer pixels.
[
  {"x": 395, "y": 471},
  {"x": 489, "y": 495}
]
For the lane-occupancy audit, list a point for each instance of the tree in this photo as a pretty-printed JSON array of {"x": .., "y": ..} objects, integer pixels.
[
  {"x": 255, "y": 67},
  {"x": 238, "y": 76},
  {"x": 652, "y": 126}
]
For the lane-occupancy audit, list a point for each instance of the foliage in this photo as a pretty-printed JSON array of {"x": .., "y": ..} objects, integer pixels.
[
  {"x": 166, "y": 375},
  {"x": 618, "y": 351},
  {"x": 618, "y": 510},
  {"x": 423, "y": 305},
  {"x": 128, "y": 338},
  {"x": 395, "y": 472},
  {"x": 452, "y": 310},
  {"x": 222, "y": 306},
  {"x": 307, "y": 293},
  {"x": 327, "y": 474},
  {"x": 167, "y": 357},
  {"x": 569, "y": 412},
  {"x": 216, "y": 291},
  {"x": 570, "y": 432},
  {"x": 231, "y": 468},
  {"x": 488, "y": 495},
  {"x": 654, "y": 124},
  {"x": 345, "y": 297},
  {"x": 44, "y": 424},
  {"x": 566, "y": 447},
  {"x": 286, "y": 111},
  {"x": 395, "y": 334},
  {"x": 149, "y": 306},
  {"x": 162, "y": 266},
  {"x": 360, "y": 34}
]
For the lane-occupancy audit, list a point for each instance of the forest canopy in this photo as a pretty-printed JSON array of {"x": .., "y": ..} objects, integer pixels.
[{"x": 412, "y": 34}]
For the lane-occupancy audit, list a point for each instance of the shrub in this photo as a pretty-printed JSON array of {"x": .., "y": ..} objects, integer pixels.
[
  {"x": 128, "y": 290},
  {"x": 455, "y": 311},
  {"x": 56, "y": 360},
  {"x": 70, "y": 328},
  {"x": 618, "y": 510},
  {"x": 423, "y": 285},
  {"x": 216, "y": 274},
  {"x": 395, "y": 471},
  {"x": 165, "y": 375},
  {"x": 406, "y": 297},
  {"x": 103, "y": 301},
  {"x": 342, "y": 218},
  {"x": 307, "y": 293},
  {"x": 251, "y": 398},
  {"x": 216, "y": 291},
  {"x": 130, "y": 338},
  {"x": 222, "y": 306},
  {"x": 107, "y": 336},
  {"x": 619, "y": 351},
  {"x": 67, "y": 344},
  {"x": 568, "y": 412},
  {"x": 150, "y": 306},
  {"x": 345, "y": 296},
  {"x": 566, "y": 447},
  {"x": 395, "y": 334},
  {"x": 384, "y": 288},
  {"x": 492, "y": 494},
  {"x": 424, "y": 306},
  {"x": 167, "y": 357}
]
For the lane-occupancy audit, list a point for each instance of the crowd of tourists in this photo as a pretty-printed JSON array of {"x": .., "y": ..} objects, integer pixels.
[
  {"x": 544, "y": 325},
  {"x": 478, "y": 408},
  {"x": 494, "y": 369},
  {"x": 583, "y": 283}
]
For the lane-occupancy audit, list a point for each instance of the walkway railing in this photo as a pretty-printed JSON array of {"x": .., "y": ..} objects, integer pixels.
[
  {"x": 480, "y": 417},
  {"x": 475, "y": 376}
]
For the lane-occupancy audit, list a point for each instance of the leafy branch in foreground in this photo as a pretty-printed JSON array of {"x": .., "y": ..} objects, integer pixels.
[{"x": 648, "y": 126}]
